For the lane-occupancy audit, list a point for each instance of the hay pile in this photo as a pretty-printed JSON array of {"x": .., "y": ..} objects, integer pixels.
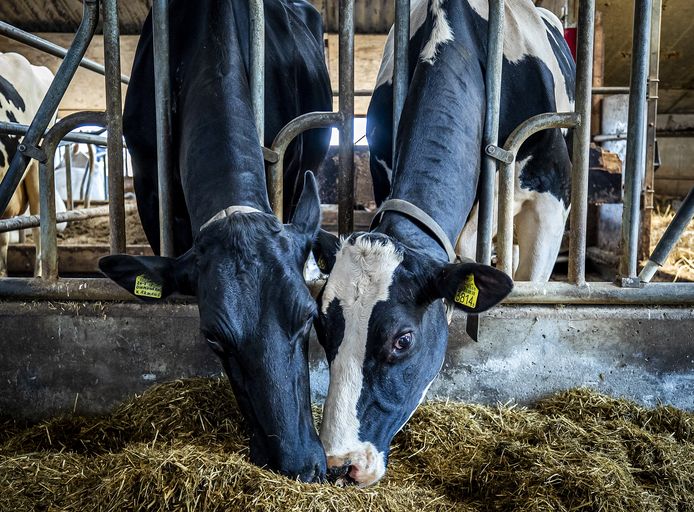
[
  {"x": 680, "y": 263},
  {"x": 97, "y": 231},
  {"x": 180, "y": 447}
]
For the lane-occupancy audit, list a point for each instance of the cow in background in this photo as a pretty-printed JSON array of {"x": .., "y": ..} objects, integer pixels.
[
  {"x": 244, "y": 266},
  {"x": 382, "y": 320},
  {"x": 22, "y": 88}
]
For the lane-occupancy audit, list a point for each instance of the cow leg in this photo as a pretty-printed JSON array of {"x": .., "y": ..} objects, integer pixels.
[
  {"x": 466, "y": 247},
  {"x": 4, "y": 243},
  {"x": 31, "y": 184},
  {"x": 539, "y": 230}
]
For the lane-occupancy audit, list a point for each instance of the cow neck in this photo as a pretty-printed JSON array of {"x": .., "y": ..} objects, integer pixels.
[
  {"x": 220, "y": 158},
  {"x": 228, "y": 212},
  {"x": 438, "y": 146}
]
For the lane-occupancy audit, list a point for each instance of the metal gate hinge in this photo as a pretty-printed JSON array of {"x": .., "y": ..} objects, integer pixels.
[
  {"x": 499, "y": 154},
  {"x": 32, "y": 152},
  {"x": 270, "y": 156}
]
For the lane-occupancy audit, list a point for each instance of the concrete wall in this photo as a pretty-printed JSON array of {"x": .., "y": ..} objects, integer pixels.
[{"x": 60, "y": 357}]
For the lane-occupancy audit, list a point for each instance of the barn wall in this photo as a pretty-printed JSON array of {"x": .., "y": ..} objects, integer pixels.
[{"x": 88, "y": 357}]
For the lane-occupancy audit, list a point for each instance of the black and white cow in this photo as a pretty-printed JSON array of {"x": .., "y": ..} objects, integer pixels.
[
  {"x": 382, "y": 322},
  {"x": 22, "y": 88},
  {"x": 244, "y": 266}
]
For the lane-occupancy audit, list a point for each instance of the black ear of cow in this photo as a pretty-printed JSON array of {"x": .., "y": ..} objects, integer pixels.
[
  {"x": 150, "y": 278},
  {"x": 324, "y": 249},
  {"x": 306, "y": 219},
  {"x": 472, "y": 287}
]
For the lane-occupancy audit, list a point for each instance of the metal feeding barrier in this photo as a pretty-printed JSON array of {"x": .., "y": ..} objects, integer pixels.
[{"x": 630, "y": 288}]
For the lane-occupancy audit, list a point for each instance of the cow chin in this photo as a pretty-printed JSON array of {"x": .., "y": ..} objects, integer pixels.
[{"x": 364, "y": 466}]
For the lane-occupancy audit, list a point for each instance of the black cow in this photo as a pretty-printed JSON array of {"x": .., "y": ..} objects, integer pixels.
[
  {"x": 243, "y": 265},
  {"x": 383, "y": 323}
]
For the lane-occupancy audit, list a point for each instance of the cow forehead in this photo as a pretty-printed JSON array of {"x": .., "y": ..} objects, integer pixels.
[{"x": 363, "y": 271}]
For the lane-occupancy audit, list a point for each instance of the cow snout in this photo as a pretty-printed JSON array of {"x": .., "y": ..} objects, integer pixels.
[
  {"x": 311, "y": 469},
  {"x": 362, "y": 467}
]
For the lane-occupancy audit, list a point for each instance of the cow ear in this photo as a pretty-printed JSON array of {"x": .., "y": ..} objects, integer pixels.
[
  {"x": 306, "y": 219},
  {"x": 152, "y": 278},
  {"x": 324, "y": 249},
  {"x": 472, "y": 287}
]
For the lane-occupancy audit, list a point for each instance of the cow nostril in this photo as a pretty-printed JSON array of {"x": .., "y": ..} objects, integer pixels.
[{"x": 337, "y": 472}]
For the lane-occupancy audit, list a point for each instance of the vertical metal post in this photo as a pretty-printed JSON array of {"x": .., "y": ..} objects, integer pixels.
[
  {"x": 27, "y": 148},
  {"x": 581, "y": 143},
  {"x": 495, "y": 45},
  {"x": 162, "y": 90},
  {"x": 651, "y": 116},
  {"x": 68, "y": 176},
  {"x": 257, "y": 72},
  {"x": 636, "y": 142},
  {"x": 114, "y": 113},
  {"x": 401, "y": 38},
  {"x": 48, "y": 229},
  {"x": 495, "y": 55},
  {"x": 345, "y": 189}
]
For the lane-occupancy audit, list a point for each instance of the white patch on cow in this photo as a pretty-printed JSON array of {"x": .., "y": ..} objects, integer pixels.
[
  {"x": 360, "y": 278},
  {"x": 418, "y": 14},
  {"x": 388, "y": 170},
  {"x": 525, "y": 34},
  {"x": 441, "y": 32}
]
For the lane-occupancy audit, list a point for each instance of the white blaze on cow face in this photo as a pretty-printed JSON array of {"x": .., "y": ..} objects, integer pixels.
[{"x": 360, "y": 278}]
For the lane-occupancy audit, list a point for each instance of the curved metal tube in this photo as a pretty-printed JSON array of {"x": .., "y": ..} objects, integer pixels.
[
  {"x": 49, "y": 232},
  {"x": 285, "y": 136},
  {"x": 507, "y": 178}
]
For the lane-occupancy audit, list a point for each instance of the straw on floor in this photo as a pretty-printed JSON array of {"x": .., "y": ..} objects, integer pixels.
[{"x": 181, "y": 446}]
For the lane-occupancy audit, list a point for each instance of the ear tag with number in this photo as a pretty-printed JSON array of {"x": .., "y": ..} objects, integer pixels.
[
  {"x": 467, "y": 294},
  {"x": 145, "y": 287}
]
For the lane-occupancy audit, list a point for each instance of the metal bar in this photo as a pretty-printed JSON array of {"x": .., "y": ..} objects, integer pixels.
[
  {"x": 357, "y": 92},
  {"x": 48, "y": 239},
  {"x": 162, "y": 79},
  {"x": 49, "y": 105},
  {"x": 610, "y": 90},
  {"x": 507, "y": 179},
  {"x": 495, "y": 45},
  {"x": 601, "y": 293},
  {"x": 99, "y": 289},
  {"x": 345, "y": 185},
  {"x": 400, "y": 67},
  {"x": 33, "y": 221},
  {"x": 651, "y": 132},
  {"x": 490, "y": 138},
  {"x": 636, "y": 142},
  {"x": 68, "y": 176},
  {"x": 39, "y": 43},
  {"x": 114, "y": 115},
  {"x": 85, "y": 138},
  {"x": 257, "y": 72},
  {"x": 285, "y": 136},
  {"x": 669, "y": 239},
  {"x": 581, "y": 143}
]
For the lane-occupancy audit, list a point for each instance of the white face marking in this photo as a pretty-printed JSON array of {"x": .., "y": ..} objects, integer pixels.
[
  {"x": 360, "y": 278},
  {"x": 441, "y": 32}
]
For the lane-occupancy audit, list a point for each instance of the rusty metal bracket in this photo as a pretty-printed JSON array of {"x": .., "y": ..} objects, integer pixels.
[
  {"x": 32, "y": 151},
  {"x": 500, "y": 154}
]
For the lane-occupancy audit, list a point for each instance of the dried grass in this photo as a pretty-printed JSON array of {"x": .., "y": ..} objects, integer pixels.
[
  {"x": 680, "y": 263},
  {"x": 180, "y": 447}
]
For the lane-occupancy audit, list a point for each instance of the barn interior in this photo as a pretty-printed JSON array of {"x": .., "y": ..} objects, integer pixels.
[{"x": 68, "y": 354}]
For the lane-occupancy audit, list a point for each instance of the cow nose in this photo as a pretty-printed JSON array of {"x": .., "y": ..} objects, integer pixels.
[
  {"x": 336, "y": 473},
  {"x": 362, "y": 467}
]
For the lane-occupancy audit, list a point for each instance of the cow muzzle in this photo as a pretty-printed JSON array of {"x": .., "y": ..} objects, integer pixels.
[{"x": 363, "y": 467}]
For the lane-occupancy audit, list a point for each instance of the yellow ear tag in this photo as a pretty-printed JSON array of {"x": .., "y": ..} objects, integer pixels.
[
  {"x": 145, "y": 287},
  {"x": 467, "y": 293}
]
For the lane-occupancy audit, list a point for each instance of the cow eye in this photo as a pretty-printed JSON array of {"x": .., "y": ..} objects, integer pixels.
[{"x": 402, "y": 342}]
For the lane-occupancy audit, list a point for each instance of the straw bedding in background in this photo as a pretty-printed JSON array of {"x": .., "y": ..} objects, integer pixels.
[{"x": 180, "y": 447}]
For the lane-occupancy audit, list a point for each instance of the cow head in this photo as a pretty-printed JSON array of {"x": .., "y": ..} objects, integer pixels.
[
  {"x": 383, "y": 325},
  {"x": 256, "y": 312}
]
